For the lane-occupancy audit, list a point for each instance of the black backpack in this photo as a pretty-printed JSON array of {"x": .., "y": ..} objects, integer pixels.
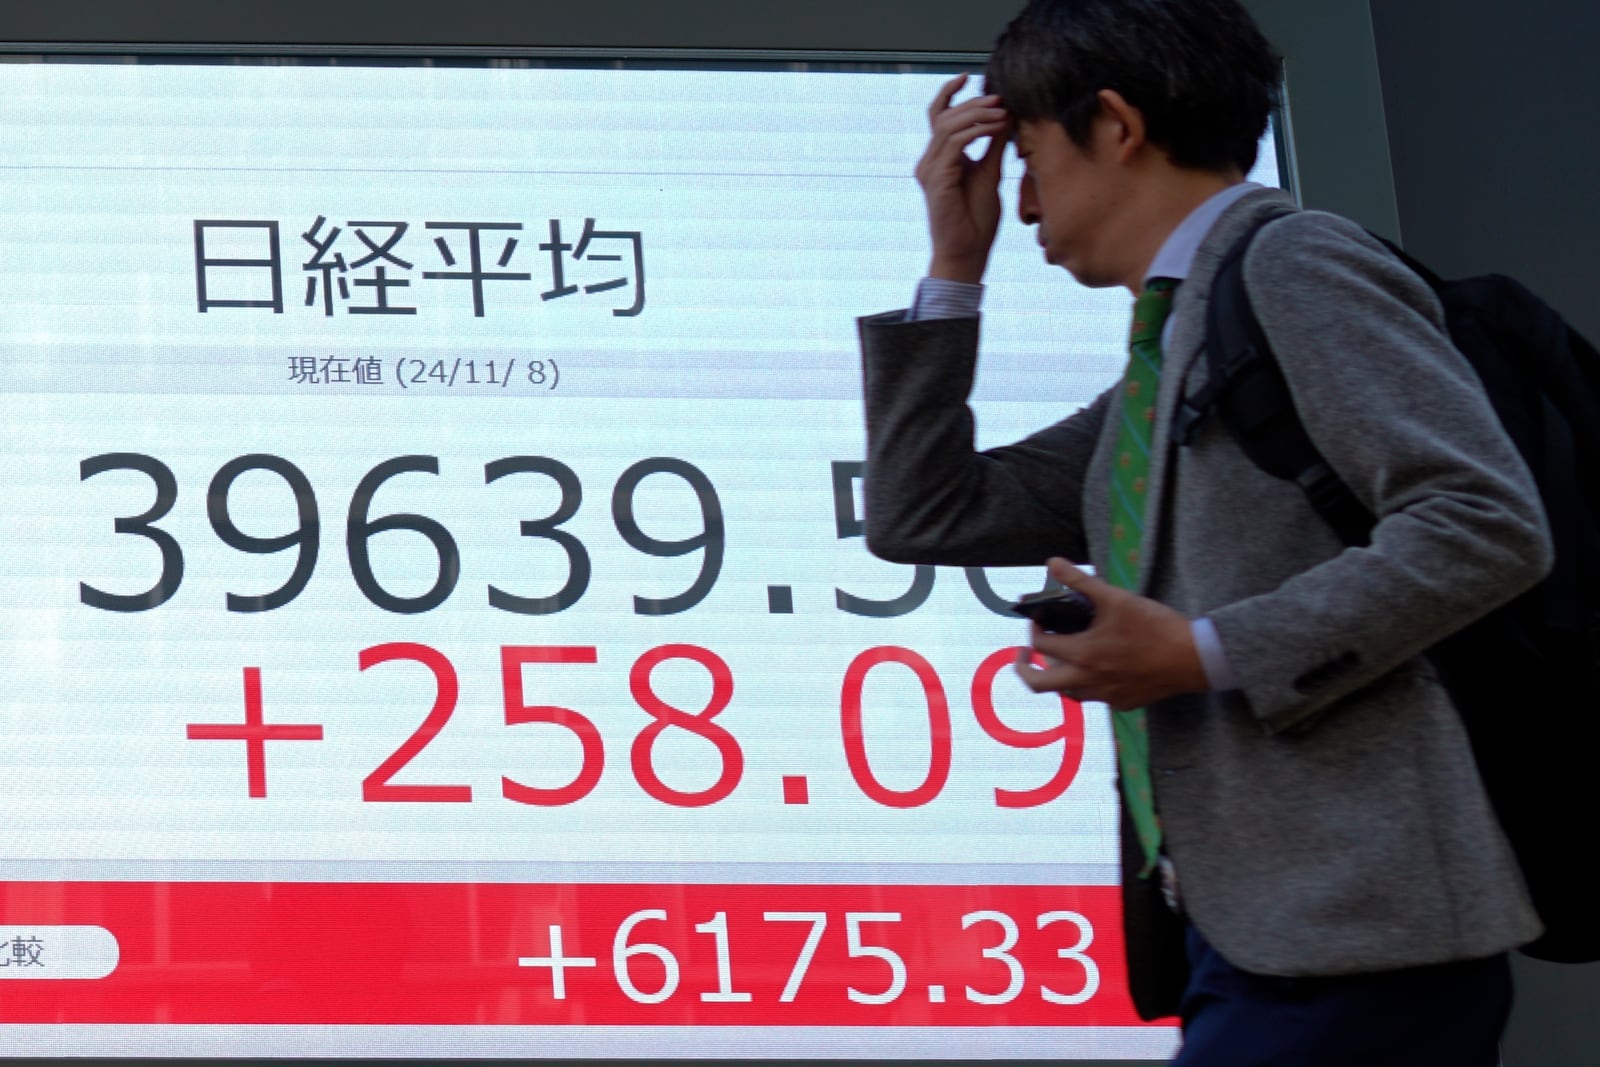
[{"x": 1526, "y": 677}]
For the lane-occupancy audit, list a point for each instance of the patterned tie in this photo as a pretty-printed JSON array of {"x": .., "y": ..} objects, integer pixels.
[{"x": 1128, "y": 485}]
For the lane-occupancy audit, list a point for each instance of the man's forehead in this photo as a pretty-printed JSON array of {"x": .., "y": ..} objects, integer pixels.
[{"x": 1026, "y": 131}]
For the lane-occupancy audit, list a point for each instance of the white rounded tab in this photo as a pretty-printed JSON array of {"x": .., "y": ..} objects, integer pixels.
[{"x": 57, "y": 952}]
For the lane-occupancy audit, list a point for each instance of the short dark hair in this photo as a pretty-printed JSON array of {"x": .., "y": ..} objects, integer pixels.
[{"x": 1200, "y": 71}]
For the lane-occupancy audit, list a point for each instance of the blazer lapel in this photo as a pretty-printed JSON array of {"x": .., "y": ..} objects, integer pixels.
[{"x": 1184, "y": 345}]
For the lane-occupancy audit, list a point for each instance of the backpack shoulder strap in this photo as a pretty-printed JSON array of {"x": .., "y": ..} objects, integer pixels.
[{"x": 1245, "y": 387}]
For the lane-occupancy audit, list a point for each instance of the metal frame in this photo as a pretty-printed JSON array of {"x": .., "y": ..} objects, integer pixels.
[{"x": 473, "y": 52}]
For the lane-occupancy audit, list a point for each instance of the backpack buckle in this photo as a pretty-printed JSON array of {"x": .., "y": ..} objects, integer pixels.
[
  {"x": 1186, "y": 422},
  {"x": 1337, "y": 505},
  {"x": 1191, "y": 412}
]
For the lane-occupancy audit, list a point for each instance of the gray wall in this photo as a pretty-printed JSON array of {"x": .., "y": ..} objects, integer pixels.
[
  {"x": 1335, "y": 106},
  {"x": 1488, "y": 160},
  {"x": 1494, "y": 127}
]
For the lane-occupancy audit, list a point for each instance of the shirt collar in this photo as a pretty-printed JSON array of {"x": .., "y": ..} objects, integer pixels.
[{"x": 1177, "y": 255}]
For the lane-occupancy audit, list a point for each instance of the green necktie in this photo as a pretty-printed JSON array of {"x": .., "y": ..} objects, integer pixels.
[{"x": 1131, "y": 470}]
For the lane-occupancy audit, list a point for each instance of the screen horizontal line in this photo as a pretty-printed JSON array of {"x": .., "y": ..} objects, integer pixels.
[{"x": 898, "y": 176}]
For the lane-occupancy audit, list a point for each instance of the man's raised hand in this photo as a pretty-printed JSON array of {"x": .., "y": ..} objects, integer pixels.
[{"x": 963, "y": 194}]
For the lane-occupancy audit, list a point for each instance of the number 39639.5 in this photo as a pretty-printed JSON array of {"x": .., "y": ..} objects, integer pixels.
[{"x": 361, "y": 527}]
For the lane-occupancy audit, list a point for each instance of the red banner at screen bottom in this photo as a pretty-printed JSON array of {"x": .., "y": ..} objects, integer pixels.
[{"x": 591, "y": 954}]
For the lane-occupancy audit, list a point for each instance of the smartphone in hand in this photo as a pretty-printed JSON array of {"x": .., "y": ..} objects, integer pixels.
[{"x": 1059, "y": 611}]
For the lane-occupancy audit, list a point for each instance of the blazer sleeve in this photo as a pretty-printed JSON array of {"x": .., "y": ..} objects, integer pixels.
[
  {"x": 1400, "y": 416},
  {"x": 930, "y": 496}
]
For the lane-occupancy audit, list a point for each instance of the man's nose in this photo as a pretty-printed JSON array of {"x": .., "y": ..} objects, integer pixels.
[{"x": 1027, "y": 202}]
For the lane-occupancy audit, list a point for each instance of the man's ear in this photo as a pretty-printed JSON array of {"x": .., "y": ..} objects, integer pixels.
[{"x": 1125, "y": 127}]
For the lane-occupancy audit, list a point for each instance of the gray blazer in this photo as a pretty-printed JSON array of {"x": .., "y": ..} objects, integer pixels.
[{"x": 1326, "y": 817}]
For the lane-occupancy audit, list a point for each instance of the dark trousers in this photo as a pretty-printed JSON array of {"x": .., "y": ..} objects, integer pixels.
[{"x": 1448, "y": 1015}]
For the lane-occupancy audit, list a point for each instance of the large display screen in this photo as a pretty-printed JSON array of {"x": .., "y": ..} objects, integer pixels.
[{"x": 434, "y": 619}]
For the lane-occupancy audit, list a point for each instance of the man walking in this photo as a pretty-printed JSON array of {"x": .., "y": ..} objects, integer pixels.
[{"x": 1311, "y": 871}]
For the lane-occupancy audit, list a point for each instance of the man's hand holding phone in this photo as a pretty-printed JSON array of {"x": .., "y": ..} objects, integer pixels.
[
  {"x": 1132, "y": 652},
  {"x": 1057, "y": 611}
]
